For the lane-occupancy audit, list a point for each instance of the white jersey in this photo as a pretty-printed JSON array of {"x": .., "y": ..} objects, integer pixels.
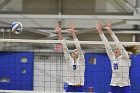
[
  {"x": 120, "y": 71},
  {"x": 120, "y": 65},
  {"x": 74, "y": 77}
]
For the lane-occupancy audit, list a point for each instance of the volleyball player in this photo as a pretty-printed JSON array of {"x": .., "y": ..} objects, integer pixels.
[
  {"x": 120, "y": 62},
  {"x": 75, "y": 63}
]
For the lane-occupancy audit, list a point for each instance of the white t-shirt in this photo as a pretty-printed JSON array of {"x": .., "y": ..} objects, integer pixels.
[
  {"x": 75, "y": 77},
  {"x": 120, "y": 65},
  {"x": 120, "y": 71}
]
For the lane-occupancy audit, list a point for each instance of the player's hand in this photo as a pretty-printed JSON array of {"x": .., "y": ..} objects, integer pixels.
[
  {"x": 71, "y": 28},
  {"x": 98, "y": 26},
  {"x": 58, "y": 28},
  {"x": 108, "y": 25}
]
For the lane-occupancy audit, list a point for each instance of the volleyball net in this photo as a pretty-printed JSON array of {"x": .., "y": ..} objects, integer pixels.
[{"x": 40, "y": 65}]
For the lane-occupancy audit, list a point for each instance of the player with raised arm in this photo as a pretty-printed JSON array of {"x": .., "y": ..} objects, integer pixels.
[
  {"x": 75, "y": 63},
  {"x": 120, "y": 62}
]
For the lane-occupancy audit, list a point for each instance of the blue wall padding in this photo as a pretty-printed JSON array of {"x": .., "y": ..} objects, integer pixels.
[
  {"x": 98, "y": 75},
  {"x": 135, "y": 74},
  {"x": 11, "y": 67}
]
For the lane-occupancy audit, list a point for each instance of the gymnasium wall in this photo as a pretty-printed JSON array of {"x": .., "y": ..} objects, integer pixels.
[
  {"x": 49, "y": 73},
  {"x": 11, "y": 5},
  {"x": 95, "y": 37},
  {"x": 87, "y": 7},
  {"x": 16, "y": 70},
  {"x": 98, "y": 75}
]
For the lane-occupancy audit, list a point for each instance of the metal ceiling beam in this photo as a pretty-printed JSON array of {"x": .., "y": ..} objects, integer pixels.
[
  {"x": 37, "y": 31},
  {"x": 137, "y": 3},
  {"x": 125, "y": 5},
  {"x": 133, "y": 22},
  {"x": 28, "y": 29},
  {"x": 121, "y": 5},
  {"x": 129, "y": 5},
  {"x": 59, "y": 6},
  {"x": 85, "y": 30},
  {"x": 90, "y": 17},
  {"x": 119, "y": 31},
  {"x": 4, "y": 3}
]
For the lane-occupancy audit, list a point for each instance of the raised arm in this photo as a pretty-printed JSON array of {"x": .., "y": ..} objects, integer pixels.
[
  {"x": 114, "y": 37},
  {"x": 77, "y": 44},
  {"x": 60, "y": 36},
  {"x": 104, "y": 39}
]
